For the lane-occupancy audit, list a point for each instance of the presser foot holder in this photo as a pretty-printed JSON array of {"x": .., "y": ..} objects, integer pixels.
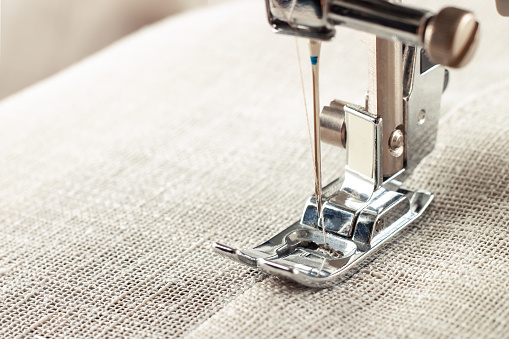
[{"x": 298, "y": 253}]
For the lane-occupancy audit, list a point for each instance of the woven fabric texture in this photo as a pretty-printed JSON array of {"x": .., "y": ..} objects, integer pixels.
[
  {"x": 444, "y": 277},
  {"x": 117, "y": 174}
]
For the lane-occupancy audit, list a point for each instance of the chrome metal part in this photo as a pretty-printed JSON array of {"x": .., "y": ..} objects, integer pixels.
[
  {"x": 396, "y": 143},
  {"x": 309, "y": 18},
  {"x": 451, "y": 44},
  {"x": 385, "y": 78},
  {"x": 385, "y": 19},
  {"x": 298, "y": 253},
  {"x": 357, "y": 217},
  {"x": 332, "y": 124},
  {"x": 385, "y": 139},
  {"x": 363, "y": 146},
  {"x": 362, "y": 174},
  {"x": 421, "y": 105}
]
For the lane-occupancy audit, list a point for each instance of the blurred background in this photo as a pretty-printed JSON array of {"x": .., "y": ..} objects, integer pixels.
[{"x": 39, "y": 38}]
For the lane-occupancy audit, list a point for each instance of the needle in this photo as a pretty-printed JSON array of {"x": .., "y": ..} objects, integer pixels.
[{"x": 314, "y": 50}]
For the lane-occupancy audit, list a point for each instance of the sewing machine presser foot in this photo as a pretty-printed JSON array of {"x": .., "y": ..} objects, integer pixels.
[
  {"x": 385, "y": 139},
  {"x": 298, "y": 253}
]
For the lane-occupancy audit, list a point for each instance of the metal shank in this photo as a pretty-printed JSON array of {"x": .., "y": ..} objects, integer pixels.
[
  {"x": 316, "y": 18},
  {"x": 382, "y": 18}
]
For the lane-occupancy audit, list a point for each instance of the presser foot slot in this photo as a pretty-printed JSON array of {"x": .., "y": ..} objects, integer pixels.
[{"x": 299, "y": 253}]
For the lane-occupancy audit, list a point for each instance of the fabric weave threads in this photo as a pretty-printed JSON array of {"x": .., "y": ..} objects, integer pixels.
[
  {"x": 446, "y": 276},
  {"x": 117, "y": 174}
]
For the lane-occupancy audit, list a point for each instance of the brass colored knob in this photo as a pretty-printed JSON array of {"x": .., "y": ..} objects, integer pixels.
[{"x": 451, "y": 37}]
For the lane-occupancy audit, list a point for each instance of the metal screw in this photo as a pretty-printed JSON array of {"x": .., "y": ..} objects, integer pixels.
[
  {"x": 421, "y": 117},
  {"x": 396, "y": 142},
  {"x": 379, "y": 225}
]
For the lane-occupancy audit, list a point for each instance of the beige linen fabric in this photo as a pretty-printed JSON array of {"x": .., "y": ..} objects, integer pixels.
[
  {"x": 117, "y": 174},
  {"x": 447, "y": 276}
]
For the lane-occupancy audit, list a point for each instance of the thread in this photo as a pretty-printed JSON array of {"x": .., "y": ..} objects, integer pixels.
[{"x": 314, "y": 47}]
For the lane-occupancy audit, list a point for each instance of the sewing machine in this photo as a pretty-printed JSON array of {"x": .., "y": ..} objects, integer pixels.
[{"x": 385, "y": 138}]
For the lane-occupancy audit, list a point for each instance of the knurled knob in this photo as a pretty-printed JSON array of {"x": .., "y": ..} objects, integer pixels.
[{"x": 451, "y": 37}]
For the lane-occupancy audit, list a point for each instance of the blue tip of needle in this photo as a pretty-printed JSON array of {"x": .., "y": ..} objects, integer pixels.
[{"x": 314, "y": 60}]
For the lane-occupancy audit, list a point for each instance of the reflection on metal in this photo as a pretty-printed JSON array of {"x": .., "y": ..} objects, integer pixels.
[
  {"x": 450, "y": 35},
  {"x": 422, "y": 93},
  {"x": 332, "y": 124},
  {"x": 385, "y": 139},
  {"x": 298, "y": 252}
]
